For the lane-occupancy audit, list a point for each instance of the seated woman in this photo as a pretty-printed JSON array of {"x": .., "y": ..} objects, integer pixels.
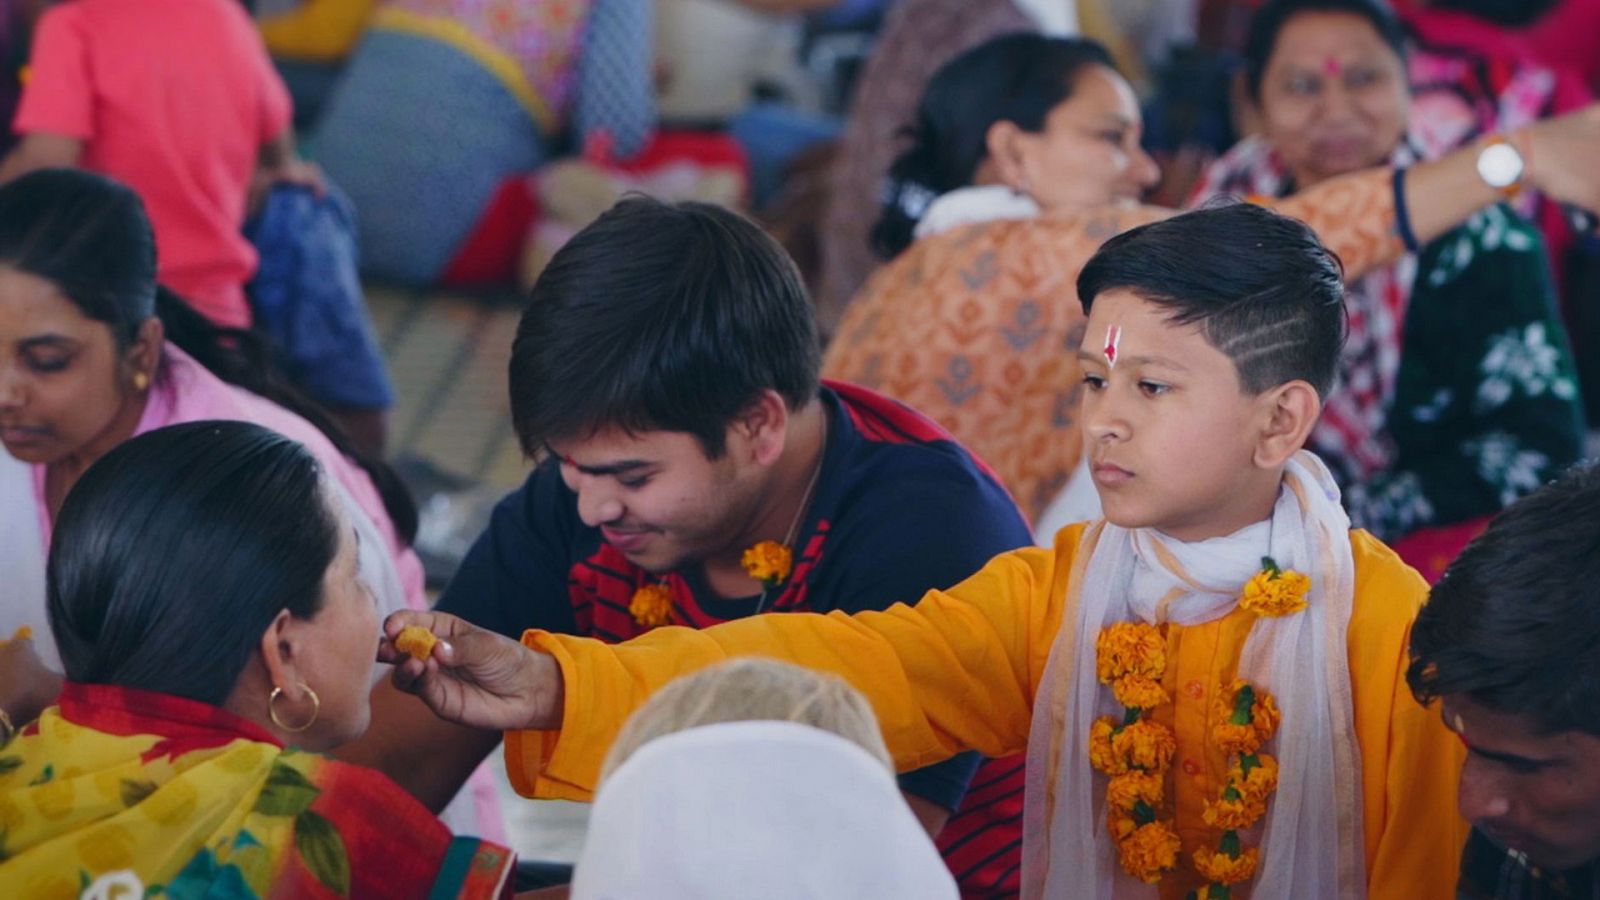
[
  {"x": 975, "y": 326},
  {"x": 444, "y": 99},
  {"x": 704, "y": 751},
  {"x": 1457, "y": 388},
  {"x": 204, "y": 594},
  {"x": 93, "y": 352}
]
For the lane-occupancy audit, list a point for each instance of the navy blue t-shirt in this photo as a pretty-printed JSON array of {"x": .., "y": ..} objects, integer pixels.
[{"x": 900, "y": 509}]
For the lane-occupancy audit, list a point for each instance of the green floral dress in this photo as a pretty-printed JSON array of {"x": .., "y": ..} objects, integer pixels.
[{"x": 1485, "y": 405}]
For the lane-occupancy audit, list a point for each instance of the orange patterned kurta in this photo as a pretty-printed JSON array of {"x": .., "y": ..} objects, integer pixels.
[{"x": 977, "y": 327}]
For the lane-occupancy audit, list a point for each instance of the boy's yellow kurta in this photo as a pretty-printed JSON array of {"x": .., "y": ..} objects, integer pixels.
[{"x": 960, "y": 669}]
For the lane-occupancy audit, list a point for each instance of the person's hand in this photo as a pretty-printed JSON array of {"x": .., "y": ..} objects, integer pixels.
[
  {"x": 292, "y": 171},
  {"x": 476, "y": 677},
  {"x": 27, "y": 686},
  {"x": 1563, "y": 157}
]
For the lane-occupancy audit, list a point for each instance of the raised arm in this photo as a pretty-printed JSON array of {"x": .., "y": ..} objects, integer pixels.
[{"x": 955, "y": 672}]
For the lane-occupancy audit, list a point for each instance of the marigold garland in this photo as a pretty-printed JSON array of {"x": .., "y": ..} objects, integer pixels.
[
  {"x": 1136, "y": 752},
  {"x": 1247, "y": 717},
  {"x": 768, "y": 562},
  {"x": 651, "y": 605}
]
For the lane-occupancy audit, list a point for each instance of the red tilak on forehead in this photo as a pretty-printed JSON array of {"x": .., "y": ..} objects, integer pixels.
[
  {"x": 1113, "y": 339},
  {"x": 1332, "y": 67}
]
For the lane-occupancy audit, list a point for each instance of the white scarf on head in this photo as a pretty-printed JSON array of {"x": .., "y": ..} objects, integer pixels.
[{"x": 1311, "y": 839}]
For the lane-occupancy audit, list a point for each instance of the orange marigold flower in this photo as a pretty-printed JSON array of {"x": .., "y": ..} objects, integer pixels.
[
  {"x": 1220, "y": 868},
  {"x": 1130, "y": 648},
  {"x": 1145, "y": 745},
  {"x": 1124, "y": 791},
  {"x": 769, "y": 562},
  {"x": 1276, "y": 593},
  {"x": 1101, "y": 755},
  {"x": 1244, "y": 738},
  {"x": 1120, "y": 827},
  {"x": 1149, "y": 852},
  {"x": 1138, "y": 692},
  {"x": 651, "y": 605},
  {"x": 1234, "y": 815},
  {"x": 1260, "y": 783},
  {"x": 24, "y": 633}
]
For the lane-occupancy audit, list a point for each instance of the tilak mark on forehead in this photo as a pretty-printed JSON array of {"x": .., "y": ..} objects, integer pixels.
[
  {"x": 1332, "y": 67},
  {"x": 1113, "y": 340}
]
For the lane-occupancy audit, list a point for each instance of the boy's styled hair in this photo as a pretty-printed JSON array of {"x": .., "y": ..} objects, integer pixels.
[
  {"x": 751, "y": 688},
  {"x": 1260, "y": 286},
  {"x": 661, "y": 317},
  {"x": 1514, "y": 624}
]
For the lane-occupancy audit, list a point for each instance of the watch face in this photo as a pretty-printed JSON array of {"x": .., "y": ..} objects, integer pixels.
[{"x": 1500, "y": 165}]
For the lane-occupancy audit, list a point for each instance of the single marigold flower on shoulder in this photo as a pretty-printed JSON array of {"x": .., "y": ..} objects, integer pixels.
[
  {"x": 1125, "y": 791},
  {"x": 1276, "y": 593},
  {"x": 1138, "y": 692},
  {"x": 768, "y": 562},
  {"x": 1101, "y": 754},
  {"x": 651, "y": 605},
  {"x": 1262, "y": 780},
  {"x": 1234, "y": 815},
  {"x": 1149, "y": 852},
  {"x": 1220, "y": 868},
  {"x": 1130, "y": 648},
  {"x": 1145, "y": 745}
]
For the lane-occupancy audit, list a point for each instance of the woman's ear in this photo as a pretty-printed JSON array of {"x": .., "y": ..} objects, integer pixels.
[
  {"x": 1290, "y": 411},
  {"x": 1008, "y": 154},
  {"x": 143, "y": 356},
  {"x": 278, "y": 654}
]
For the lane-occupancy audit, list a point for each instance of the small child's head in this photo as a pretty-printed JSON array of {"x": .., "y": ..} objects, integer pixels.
[
  {"x": 1212, "y": 338},
  {"x": 1509, "y": 643},
  {"x": 752, "y": 689},
  {"x": 661, "y": 356}
]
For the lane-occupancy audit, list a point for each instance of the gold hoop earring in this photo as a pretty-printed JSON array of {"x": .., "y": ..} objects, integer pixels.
[
  {"x": 272, "y": 709},
  {"x": 141, "y": 381}
]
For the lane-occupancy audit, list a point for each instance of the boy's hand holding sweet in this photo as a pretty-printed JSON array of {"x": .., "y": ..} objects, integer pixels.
[{"x": 475, "y": 677}]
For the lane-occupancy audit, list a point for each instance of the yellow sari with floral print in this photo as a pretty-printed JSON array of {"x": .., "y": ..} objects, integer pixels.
[{"x": 119, "y": 793}]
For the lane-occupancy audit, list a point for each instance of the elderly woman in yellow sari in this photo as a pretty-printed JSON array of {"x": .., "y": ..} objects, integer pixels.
[
  {"x": 205, "y": 599},
  {"x": 1008, "y": 190}
]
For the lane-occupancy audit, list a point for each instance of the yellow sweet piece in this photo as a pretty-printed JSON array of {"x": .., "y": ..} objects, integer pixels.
[{"x": 417, "y": 641}]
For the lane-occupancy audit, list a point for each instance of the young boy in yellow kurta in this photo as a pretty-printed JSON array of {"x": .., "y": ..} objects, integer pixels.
[{"x": 1209, "y": 683}]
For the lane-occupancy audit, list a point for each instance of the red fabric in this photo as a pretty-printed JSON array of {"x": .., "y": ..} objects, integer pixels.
[
  {"x": 982, "y": 843},
  {"x": 173, "y": 98},
  {"x": 1431, "y": 550},
  {"x": 491, "y": 252}
]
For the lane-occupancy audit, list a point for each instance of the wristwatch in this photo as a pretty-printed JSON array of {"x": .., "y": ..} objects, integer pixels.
[{"x": 1500, "y": 166}]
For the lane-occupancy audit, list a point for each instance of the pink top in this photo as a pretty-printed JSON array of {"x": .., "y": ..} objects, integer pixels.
[
  {"x": 186, "y": 391},
  {"x": 173, "y": 98}
]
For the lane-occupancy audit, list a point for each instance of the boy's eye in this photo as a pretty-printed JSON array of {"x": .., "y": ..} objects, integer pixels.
[
  {"x": 1116, "y": 138},
  {"x": 1154, "y": 388},
  {"x": 634, "y": 482},
  {"x": 1094, "y": 382}
]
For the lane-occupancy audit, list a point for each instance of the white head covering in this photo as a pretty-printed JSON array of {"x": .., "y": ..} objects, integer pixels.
[
  {"x": 1311, "y": 839},
  {"x": 1057, "y": 18},
  {"x": 768, "y": 809}
]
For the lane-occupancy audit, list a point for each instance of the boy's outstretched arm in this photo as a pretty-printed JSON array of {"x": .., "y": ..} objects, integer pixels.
[{"x": 955, "y": 672}]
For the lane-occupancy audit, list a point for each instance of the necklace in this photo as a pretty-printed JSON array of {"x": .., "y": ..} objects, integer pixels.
[{"x": 784, "y": 551}]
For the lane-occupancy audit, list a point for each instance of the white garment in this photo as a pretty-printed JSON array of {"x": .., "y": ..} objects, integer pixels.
[
  {"x": 970, "y": 205},
  {"x": 776, "y": 810},
  {"x": 1311, "y": 838},
  {"x": 1056, "y": 18}
]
